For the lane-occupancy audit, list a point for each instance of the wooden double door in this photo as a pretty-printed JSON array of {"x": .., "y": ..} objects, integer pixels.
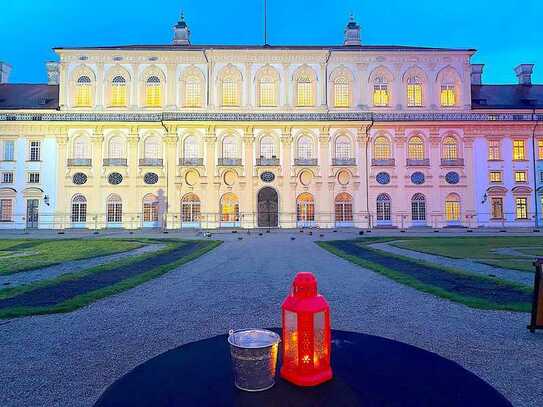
[{"x": 268, "y": 208}]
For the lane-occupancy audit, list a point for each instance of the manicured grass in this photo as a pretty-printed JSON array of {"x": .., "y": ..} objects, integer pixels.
[
  {"x": 480, "y": 249},
  {"x": 23, "y": 255},
  {"x": 469, "y": 289},
  {"x": 81, "y": 300}
]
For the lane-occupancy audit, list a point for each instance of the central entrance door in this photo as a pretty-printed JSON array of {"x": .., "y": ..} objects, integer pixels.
[
  {"x": 268, "y": 208},
  {"x": 32, "y": 213}
]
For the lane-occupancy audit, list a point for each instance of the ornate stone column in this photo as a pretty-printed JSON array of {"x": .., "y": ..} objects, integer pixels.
[
  {"x": 400, "y": 205},
  {"x": 436, "y": 210},
  {"x": 63, "y": 88},
  {"x": 97, "y": 206},
  {"x": 210, "y": 209},
  {"x": 248, "y": 102},
  {"x": 325, "y": 201},
  {"x": 99, "y": 86},
  {"x": 249, "y": 194},
  {"x": 286, "y": 86},
  {"x": 171, "y": 84},
  {"x": 134, "y": 204},
  {"x": 287, "y": 185},
  {"x": 172, "y": 198},
  {"x": 323, "y": 85},
  {"x": 360, "y": 204},
  {"x": 470, "y": 194},
  {"x": 62, "y": 211},
  {"x": 134, "y": 92}
]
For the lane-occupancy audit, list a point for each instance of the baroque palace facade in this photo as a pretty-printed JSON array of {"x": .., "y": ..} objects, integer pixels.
[{"x": 184, "y": 136}]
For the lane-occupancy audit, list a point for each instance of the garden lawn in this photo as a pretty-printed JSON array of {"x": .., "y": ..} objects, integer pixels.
[
  {"x": 23, "y": 255},
  {"x": 473, "y": 290},
  {"x": 487, "y": 250}
]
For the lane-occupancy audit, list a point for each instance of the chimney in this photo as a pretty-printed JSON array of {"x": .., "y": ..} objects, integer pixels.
[
  {"x": 53, "y": 73},
  {"x": 181, "y": 32},
  {"x": 5, "y": 70},
  {"x": 352, "y": 33},
  {"x": 477, "y": 74},
  {"x": 524, "y": 74}
]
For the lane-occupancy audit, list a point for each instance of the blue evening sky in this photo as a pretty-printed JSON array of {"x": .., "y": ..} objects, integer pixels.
[{"x": 504, "y": 32}]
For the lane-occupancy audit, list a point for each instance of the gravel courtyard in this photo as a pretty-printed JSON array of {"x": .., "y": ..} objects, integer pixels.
[{"x": 69, "y": 359}]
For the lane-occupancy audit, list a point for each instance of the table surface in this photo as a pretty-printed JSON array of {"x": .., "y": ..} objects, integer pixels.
[{"x": 368, "y": 371}]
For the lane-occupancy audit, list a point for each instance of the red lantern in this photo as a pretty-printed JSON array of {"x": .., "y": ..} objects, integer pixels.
[{"x": 306, "y": 334}]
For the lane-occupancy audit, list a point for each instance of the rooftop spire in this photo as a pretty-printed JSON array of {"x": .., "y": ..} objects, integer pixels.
[
  {"x": 181, "y": 32},
  {"x": 352, "y": 32}
]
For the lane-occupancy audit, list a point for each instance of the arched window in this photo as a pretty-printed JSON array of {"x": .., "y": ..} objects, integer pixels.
[
  {"x": 193, "y": 92},
  {"x": 450, "y": 148},
  {"x": 114, "y": 209},
  {"x": 190, "y": 208},
  {"x": 116, "y": 148},
  {"x": 153, "y": 92},
  {"x": 450, "y": 83},
  {"x": 150, "y": 208},
  {"x": 151, "y": 148},
  {"x": 305, "y": 208},
  {"x": 418, "y": 208},
  {"x": 79, "y": 209},
  {"x": 343, "y": 150},
  {"x": 415, "y": 148},
  {"x": 305, "y": 148},
  {"x": 342, "y": 92},
  {"x": 382, "y": 149},
  {"x": 119, "y": 93},
  {"x": 344, "y": 207},
  {"x": 414, "y": 92},
  {"x": 81, "y": 148},
  {"x": 190, "y": 148},
  {"x": 383, "y": 208},
  {"x": 452, "y": 208},
  {"x": 229, "y": 148},
  {"x": 267, "y": 147},
  {"x": 83, "y": 92},
  {"x": 229, "y": 208},
  {"x": 304, "y": 91},
  {"x": 381, "y": 95}
]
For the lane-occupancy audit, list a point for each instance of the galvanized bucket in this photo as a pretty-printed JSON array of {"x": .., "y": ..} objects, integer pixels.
[{"x": 254, "y": 358}]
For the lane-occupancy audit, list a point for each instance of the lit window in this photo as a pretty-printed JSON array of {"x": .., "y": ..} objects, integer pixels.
[
  {"x": 193, "y": 92},
  {"x": 415, "y": 148},
  {"x": 83, "y": 97},
  {"x": 540, "y": 149},
  {"x": 267, "y": 92},
  {"x": 341, "y": 92},
  {"x": 380, "y": 93},
  {"x": 118, "y": 92},
  {"x": 344, "y": 207},
  {"x": 519, "y": 150},
  {"x": 494, "y": 150},
  {"x": 448, "y": 95},
  {"x": 495, "y": 176},
  {"x": 304, "y": 92},
  {"x": 33, "y": 177},
  {"x": 230, "y": 94},
  {"x": 452, "y": 208},
  {"x": 7, "y": 177},
  {"x": 450, "y": 148},
  {"x": 305, "y": 208},
  {"x": 6, "y": 210},
  {"x": 520, "y": 176},
  {"x": 229, "y": 208},
  {"x": 8, "y": 151},
  {"x": 153, "y": 92},
  {"x": 521, "y": 208},
  {"x": 382, "y": 149},
  {"x": 190, "y": 208},
  {"x": 343, "y": 148},
  {"x": 418, "y": 208},
  {"x": 497, "y": 208},
  {"x": 35, "y": 150},
  {"x": 414, "y": 92},
  {"x": 150, "y": 208},
  {"x": 305, "y": 148}
]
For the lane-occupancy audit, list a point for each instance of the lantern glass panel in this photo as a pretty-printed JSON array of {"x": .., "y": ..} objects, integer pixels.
[
  {"x": 291, "y": 338},
  {"x": 319, "y": 339}
]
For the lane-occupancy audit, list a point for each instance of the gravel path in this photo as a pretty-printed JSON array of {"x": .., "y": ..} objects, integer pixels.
[
  {"x": 69, "y": 359},
  {"x": 26, "y": 277},
  {"x": 460, "y": 264}
]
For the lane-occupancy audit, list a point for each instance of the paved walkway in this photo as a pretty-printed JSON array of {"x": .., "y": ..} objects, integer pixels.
[
  {"x": 50, "y": 272},
  {"x": 470, "y": 266},
  {"x": 69, "y": 359}
]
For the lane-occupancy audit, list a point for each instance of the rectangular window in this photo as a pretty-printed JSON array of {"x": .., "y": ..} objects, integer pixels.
[
  {"x": 6, "y": 210},
  {"x": 83, "y": 95},
  {"x": 494, "y": 150},
  {"x": 114, "y": 212},
  {"x": 267, "y": 94},
  {"x": 153, "y": 95},
  {"x": 193, "y": 95},
  {"x": 497, "y": 208},
  {"x": 304, "y": 94},
  {"x": 230, "y": 93},
  {"x": 414, "y": 95},
  {"x": 33, "y": 177},
  {"x": 150, "y": 212},
  {"x": 540, "y": 149},
  {"x": 521, "y": 208},
  {"x": 341, "y": 95},
  {"x": 448, "y": 96},
  {"x": 520, "y": 176},
  {"x": 35, "y": 150},
  {"x": 8, "y": 153},
  {"x": 380, "y": 95},
  {"x": 519, "y": 150},
  {"x": 7, "y": 178},
  {"x": 495, "y": 176},
  {"x": 119, "y": 95},
  {"x": 452, "y": 211}
]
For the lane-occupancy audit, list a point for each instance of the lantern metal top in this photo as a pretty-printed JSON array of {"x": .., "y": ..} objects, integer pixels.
[{"x": 304, "y": 285}]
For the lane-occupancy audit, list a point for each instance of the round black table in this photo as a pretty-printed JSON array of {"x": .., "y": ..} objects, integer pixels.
[{"x": 368, "y": 371}]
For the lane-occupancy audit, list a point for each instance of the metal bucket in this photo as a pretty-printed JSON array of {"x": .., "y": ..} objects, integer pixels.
[{"x": 254, "y": 358}]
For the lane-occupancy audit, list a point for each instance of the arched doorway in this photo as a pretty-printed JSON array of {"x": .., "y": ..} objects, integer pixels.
[{"x": 268, "y": 208}]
